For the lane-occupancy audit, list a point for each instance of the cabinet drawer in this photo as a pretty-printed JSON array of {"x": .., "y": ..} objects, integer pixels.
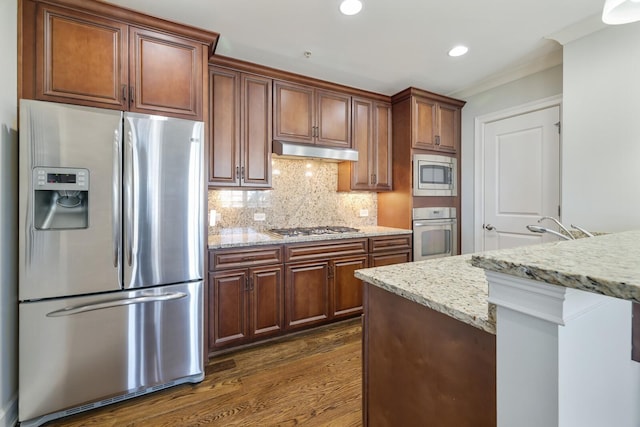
[
  {"x": 244, "y": 257},
  {"x": 309, "y": 251},
  {"x": 390, "y": 243}
]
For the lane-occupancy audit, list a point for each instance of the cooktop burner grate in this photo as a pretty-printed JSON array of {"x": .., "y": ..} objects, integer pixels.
[{"x": 313, "y": 231}]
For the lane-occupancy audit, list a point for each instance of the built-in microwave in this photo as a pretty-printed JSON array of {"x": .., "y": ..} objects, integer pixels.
[{"x": 434, "y": 175}]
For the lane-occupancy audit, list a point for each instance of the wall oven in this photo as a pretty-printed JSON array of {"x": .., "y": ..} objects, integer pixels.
[
  {"x": 434, "y": 175},
  {"x": 434, "y": 233}
]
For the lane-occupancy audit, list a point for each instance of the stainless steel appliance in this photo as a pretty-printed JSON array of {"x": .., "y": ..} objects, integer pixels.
[
  {"x": 111, "y": 246},
  {"x": 434, "y": 233},
  {"x": 434, "y": 175},
  {"x": 313, "y": 231}
]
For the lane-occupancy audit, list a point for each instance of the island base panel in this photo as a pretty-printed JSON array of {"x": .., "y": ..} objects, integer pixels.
[{"x": 424, "y": 368}]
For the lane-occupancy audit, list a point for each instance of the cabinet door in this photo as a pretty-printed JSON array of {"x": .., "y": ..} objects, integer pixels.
[
  {"x": 165, "y": 74},
  {"x": 224, "y": 127},
  {"x": 333, "y": 119},
  {"x": 307, "y": 294},
  {"x": 255, "y": 134},
  {"x": 228, "y": 308},
  {"x": 361, "y": 173},
  {"x": 293, "y": 112},
  {"x": 266, "y": 301},
  {"x": 346, "y": 298},
  {"x": 80, "y": 59},
  {"x": 448, "y": 128},
  {"x": 424, "y": 124},
  {"x": 382, "y": 161}
]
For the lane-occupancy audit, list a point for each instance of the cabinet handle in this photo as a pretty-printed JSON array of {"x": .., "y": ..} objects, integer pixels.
[
  {"x": 330, "y": 272},
  {"x": 124, "y": 94},
  {"x": 437, "y": 139},
  {"x": 246, "y": 283},
  {"x": 250, "y": 283},
  {"x": 375, "y": 179},
  {"x": 242, "y": 173},
  {"x": 132, "y": 91},
  {"x": 237, "y": 172}
]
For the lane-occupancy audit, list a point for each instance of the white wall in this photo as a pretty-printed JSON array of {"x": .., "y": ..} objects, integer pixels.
[
  {"x": 8, "y": 211},
  {"x": 601, "y": 135},
  {"x": 531, "y": 88}
]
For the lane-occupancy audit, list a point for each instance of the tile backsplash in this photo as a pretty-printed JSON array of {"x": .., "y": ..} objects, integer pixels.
[{"x": 304, "y": 194}]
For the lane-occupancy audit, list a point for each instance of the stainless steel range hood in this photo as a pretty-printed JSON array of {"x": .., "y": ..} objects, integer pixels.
[{"x": 293, "y": 150}]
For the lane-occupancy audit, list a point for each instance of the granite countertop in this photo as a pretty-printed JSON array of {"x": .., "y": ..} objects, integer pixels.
[
  {"x": 448, "y": 285},
  {"x": 607, "y": 265},
  {"x": 239, "y": 237}
]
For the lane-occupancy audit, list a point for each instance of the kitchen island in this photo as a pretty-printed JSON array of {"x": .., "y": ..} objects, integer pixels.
[{"x": 562, "y": 318}]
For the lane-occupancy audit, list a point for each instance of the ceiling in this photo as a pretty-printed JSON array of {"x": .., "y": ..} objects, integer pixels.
[{"x": 391, "y": 44}]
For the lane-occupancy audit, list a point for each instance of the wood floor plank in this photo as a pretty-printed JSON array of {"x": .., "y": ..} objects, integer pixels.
[{"x": 310, "y": 379}]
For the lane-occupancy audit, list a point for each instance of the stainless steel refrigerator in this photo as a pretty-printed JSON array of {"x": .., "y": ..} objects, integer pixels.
[{"x": 111, "y": 246}]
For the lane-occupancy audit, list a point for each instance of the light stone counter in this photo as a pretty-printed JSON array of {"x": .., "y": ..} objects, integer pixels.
[
  {"x": 448, "y": 285},
  {"x": 607, "y": 264},
  {"x": 240, "y": 237}
]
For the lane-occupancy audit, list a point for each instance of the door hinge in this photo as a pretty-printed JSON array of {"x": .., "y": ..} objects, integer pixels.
[{"x": 559, "y": 126}]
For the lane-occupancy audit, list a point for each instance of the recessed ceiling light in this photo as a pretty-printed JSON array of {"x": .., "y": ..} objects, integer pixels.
[
  {"x": 350, "y": 7},
  {"x": 458, "y": 51}
]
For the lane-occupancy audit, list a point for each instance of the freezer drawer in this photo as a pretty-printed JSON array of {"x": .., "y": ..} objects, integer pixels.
[{"x": 75, "y": 351}]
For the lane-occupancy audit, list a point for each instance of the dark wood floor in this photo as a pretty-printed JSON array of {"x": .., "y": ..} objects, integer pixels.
[{"x": 311, "y": 379}]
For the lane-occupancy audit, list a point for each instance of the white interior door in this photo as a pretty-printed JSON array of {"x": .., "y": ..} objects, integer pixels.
[{"x": 521, "y": 177}]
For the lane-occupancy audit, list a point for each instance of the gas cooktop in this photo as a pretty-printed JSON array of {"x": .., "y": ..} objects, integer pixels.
[{"x": 312, "y": 231}]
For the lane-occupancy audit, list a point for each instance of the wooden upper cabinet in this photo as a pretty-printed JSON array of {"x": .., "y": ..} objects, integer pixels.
[
  {"x": 96, "y": 54},
  {"x": 333, "y": 119},
  {"x": 255, "y": 134},
  {"x": 80, "y": 58},
  {"x": 165, "y": 75},
  {"x": 436, "y": 125},
  {"x": 372, "y": 139},
  {"x": 310, "y": 115},
  {"x": 224, "y": 127},
  {"x": 240, "y": 129}
]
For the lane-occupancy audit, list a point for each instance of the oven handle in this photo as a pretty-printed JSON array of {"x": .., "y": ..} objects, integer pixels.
[{"x": 431, "y": 223}]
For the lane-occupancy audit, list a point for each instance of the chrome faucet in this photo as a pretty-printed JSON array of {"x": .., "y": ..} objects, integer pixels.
[
  {"x": 569, "y": 235},
  {"x": 538, "y": 229}
]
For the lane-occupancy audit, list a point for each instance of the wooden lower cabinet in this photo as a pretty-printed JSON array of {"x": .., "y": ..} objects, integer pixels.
[
  {"x": 307, "y": 293},
  {"x": 424, "y": 368},
  {"x": 346, "y": 293},
  {"x": 245, "y": 304},
  {"x": 264, "y": 291},
  {"x": 379, "y": 260}
]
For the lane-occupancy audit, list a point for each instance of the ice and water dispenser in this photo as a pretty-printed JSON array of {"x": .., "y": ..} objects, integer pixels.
[{"x": 61, "y": 199}]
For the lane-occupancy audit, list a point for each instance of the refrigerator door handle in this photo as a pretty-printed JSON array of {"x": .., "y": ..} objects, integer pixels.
[
  {"x": 129, "y": 202},
  {"x": 68, "y": 311},
  {"x": 116, "y": 198}
]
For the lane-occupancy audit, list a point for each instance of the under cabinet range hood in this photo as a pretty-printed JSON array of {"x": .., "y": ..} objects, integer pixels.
[{"x": 293, "y": 150}]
